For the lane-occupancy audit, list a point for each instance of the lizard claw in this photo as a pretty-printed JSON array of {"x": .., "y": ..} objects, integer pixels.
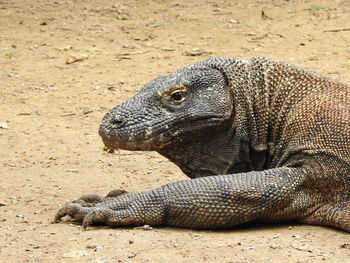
[
  {"x": 74, "y": 210},
  {"x": 98, "y": 215}
]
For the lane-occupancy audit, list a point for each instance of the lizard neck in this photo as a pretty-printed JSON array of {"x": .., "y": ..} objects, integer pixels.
[
  {"x": 252, "y": 100},
  {"x": 213, "y": 152},
  {"x": 241, "y": 144}
]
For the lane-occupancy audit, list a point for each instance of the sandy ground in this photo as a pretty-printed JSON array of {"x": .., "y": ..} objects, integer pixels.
[{"x": 51, "y": 153}]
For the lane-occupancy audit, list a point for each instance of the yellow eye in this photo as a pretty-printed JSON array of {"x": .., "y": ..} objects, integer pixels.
[{"x": 176, "y": 94}]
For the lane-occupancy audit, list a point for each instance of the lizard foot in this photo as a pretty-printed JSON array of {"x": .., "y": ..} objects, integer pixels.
[
  {"x": 75, "y": 210},
  {"x": 116, "y": 209},
  {"x": 78, "y": 209},
  {"x": 90, "y": 215}
]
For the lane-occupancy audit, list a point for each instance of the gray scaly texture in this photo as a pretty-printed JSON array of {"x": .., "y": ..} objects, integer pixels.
[{"x": 263, "y": 141}]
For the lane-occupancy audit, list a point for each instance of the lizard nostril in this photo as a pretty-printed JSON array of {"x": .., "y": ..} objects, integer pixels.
[{"x": 117, "y": 122}]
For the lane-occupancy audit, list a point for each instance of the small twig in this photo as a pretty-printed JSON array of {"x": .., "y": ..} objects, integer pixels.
[
  {"x": 30, "y": 243},
  {"x": 337, "y": 30},
  {"x": 147, "y": 249},
  {"x": 133, "y": 53},
  {"x": 67, "y": 114},
  {"x": 144, "y": 227}
]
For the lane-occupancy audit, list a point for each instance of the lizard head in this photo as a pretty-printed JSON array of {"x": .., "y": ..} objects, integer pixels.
[{"x": 186, "y": 103}]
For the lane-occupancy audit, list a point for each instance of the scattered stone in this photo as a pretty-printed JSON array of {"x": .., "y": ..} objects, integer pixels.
[
  {"x": 65, "y": 48},
  {"x": 72, "y": 170},
  {"x": 346, "y": 245},
  {"x": 100, "y": 260},
  {"x": 122, "y": 17},
  {"x": 132, "y": 255},
  {"x": 195, "y": 235},
  {"x": 145, "y": 227},
  {"x": 93, "y": 247},
  {"x": 298, "y": 245},
  {"x": 113, "y": 88},
  {"x": 196, "y": 52},
  {"x": 274, "y": 245},
  {"x": 88, "y": 112},
  {"x": 249, "y": 248},
  {"x": 232, "y": 21},
  {"x": 76, "y": 58},
  {"x": 76, "y": 254},
  {"x": 3, "y": 125},
  {"x": 52, "y": 89},
  {"x": 107, "y": 149},
  {"x": 168, "y": 49},
  {"x": 264, "y": 16}
]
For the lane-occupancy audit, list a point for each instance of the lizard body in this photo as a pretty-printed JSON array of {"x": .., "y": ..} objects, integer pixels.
[{"x": 263, "y": 141}]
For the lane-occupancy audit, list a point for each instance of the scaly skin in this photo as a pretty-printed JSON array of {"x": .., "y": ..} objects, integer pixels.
[{"x": 263, "y": 140}]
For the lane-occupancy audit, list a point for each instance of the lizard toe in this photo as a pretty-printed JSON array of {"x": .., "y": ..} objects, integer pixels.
[
  {"x": 116, "y": 192},
  {"x": 89, "y": 198},
  {"x": 98, "y": 215},
  {"x": 74, "y": 210}
]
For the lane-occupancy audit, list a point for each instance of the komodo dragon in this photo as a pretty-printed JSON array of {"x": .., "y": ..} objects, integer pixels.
[{"x": 263, "y": 140}]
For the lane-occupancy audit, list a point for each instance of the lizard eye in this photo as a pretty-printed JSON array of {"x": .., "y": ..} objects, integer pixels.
[{"x": 178, "y": 96}]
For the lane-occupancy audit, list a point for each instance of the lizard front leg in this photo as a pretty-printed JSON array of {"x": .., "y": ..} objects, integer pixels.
[{"x": 205, "y": 203}]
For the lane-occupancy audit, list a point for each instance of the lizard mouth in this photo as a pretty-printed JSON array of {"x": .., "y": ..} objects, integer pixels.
[{"x": 155, "y": 138}]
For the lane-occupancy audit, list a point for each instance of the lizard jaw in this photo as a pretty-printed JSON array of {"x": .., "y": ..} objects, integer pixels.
[
  {"x": 145, "y": 145},
  {"x": 150, "y": 140}
]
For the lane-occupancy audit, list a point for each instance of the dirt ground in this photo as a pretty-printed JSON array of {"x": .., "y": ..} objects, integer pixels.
[{"x": 64, "y": 63}]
